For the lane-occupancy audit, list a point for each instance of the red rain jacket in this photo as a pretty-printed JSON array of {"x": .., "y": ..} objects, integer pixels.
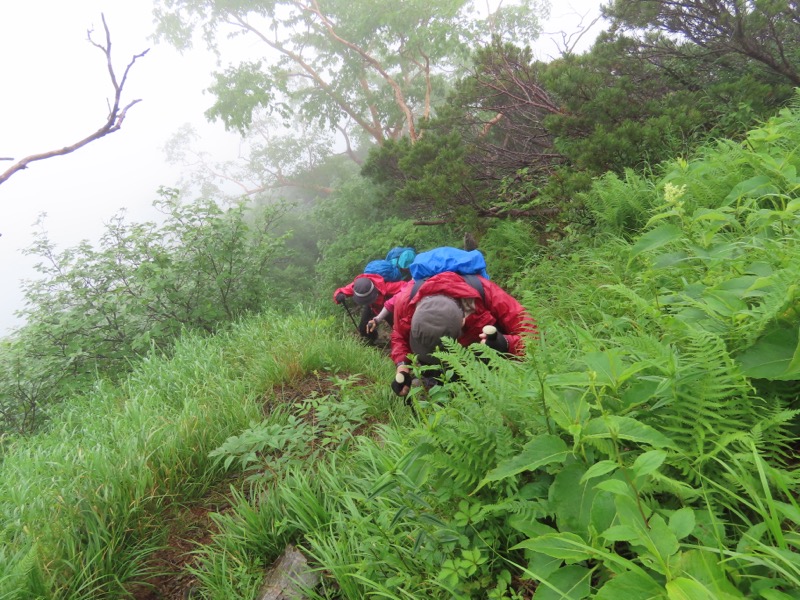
[
  {"x": 500, "y": 309},
  {"x": 386, "y": 289}
]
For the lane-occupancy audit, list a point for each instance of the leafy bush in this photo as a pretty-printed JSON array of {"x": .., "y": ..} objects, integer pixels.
[{"x": 94, "y": 310}]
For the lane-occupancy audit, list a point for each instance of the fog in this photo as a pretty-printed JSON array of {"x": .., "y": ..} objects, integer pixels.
[{"x": 55, "y": 92}]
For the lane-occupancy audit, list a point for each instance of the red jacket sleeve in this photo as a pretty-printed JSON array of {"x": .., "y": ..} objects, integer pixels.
[
  {"x": 346, "y": 290},
  {"x": 401, "y": 330},
  {"x": 512, "y": 318}
]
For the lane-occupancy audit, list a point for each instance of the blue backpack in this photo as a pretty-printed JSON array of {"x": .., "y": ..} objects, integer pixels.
[
  {"x": 401, "y": 256},
  {"x": 385, "y": 269},
  {"x": 468, "y": 264},
  {"x": 444, "y": 259}
]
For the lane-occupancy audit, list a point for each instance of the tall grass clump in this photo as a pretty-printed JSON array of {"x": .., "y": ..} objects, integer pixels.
[{"x": 83, "y": 503}]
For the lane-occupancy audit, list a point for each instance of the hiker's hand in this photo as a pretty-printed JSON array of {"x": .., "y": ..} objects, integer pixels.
[
  {"x": 372, "y": 325},
  {"x": 340, "y": 297},
  {"x": 402, "y": 380},
  {"x": 494, "y": 339}
]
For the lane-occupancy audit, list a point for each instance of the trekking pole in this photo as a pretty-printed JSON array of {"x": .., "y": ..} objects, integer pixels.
[{"x": 352, "y": 318}]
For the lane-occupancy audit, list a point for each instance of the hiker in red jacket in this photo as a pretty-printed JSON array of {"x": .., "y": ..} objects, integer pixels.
[
  {"x": 449, "y": 305},
  {"x": 387, "y": 312},
  {"x": 371, "y": 292}
]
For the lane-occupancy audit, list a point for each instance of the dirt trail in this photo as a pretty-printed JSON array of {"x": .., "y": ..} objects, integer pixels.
[{"x": 191, "y": 525}]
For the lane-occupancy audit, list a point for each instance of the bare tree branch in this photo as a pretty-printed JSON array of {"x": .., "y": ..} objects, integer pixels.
[{"x": 116, "y": 112}]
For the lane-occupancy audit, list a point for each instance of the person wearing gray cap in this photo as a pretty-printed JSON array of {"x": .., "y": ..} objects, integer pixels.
[
  {"x": 370, "y": 292},
  {"x": 467, "y": 309}
]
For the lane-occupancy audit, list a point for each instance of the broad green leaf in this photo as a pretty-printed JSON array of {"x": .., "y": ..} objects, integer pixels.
[
  {"x": 568, "y": 407},
  {"x": 792, "y": 538},
  {"x": 609, "y": 368},
  {"x": 789, "y": 511},
  {"x": 631, "y": 585},
  {"x": 615, "y": 486},
  {"x": 707, "y": 569},
  {"x": 566, "y": 546},
  {"x": 682, "y": 522},
  {"x": 570, "y": 378},
  {"x": 724, "y": 302},
  {"x": 755, "y": 186},
  {"x": 660, "y": 236},
  {"x": 793, "y": 205},
  {"x": 663, "y": 538},
  {"x": 740, "y": 285},
  {"x": 670, "y": 259},
  {"x": 626, "y": 428},
  {"x": 572, "y": 500},
  {"x": 621, "y": 533},
  {"x": 717, "y": 252},
  {"x": 705, "y": 214},
  {"x": 598, "y": 469},
  {"x": 682, "y": 588},
  {"x": 541, "y": 564},
  {"x": 776, "y": 595},
  {"x": 648, "y": 462},
  {"x": 603, "y": 512},
  {"x": 528, "y": 526},
  {"x": 651, "y": 531},
  {"x": 640, "y": 391},
  {"x": 572, "y": 583},
  {"x": 540, "y": 451},
  {"x": 774, "y": 356}
]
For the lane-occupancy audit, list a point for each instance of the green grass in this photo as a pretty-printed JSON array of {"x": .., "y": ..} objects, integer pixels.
[{"x": 82, "y": 503}]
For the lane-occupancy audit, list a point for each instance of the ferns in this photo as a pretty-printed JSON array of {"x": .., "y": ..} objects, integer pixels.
[
  {"x": 466, "y": 449},
  {"x": 621, "y": 206},
  {"x": 707, "y": 401},
  {"x": 20, "y": 575}
]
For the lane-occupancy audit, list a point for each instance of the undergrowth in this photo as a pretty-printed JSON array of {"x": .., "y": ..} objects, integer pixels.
[{"x": 644, "y": 448}]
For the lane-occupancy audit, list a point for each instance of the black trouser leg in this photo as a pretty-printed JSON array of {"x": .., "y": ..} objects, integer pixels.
[{"x": 366, "y": 315}]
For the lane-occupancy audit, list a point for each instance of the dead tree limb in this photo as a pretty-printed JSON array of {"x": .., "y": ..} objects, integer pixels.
[{"x": 116, "y": 112}]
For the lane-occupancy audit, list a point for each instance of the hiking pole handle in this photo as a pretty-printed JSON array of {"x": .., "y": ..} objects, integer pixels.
[
  {"x": 495, "y": 339},
  {"x": 402, "y": 379}
]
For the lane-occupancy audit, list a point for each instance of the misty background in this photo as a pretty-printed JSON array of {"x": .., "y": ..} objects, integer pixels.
[{"x": 55, "y": 92}]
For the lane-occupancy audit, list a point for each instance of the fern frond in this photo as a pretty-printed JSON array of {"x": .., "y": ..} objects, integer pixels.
[
  {"x": 636, "y": 303},
  {"x": 468, "y": 447},
  {"x": 709, "y": 403},
  {"x": 647, "y": 347},
  {"x": 508, "y": 387},
  {"x": 528, "y": 510}
]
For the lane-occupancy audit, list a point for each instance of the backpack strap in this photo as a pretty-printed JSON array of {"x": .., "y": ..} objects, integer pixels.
[{"x": 471, "y": 279}]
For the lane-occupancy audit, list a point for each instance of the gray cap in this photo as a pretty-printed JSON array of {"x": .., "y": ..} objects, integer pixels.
[
  {"x": 434, "y": 318},
  {"x": 364, "y": 291}
]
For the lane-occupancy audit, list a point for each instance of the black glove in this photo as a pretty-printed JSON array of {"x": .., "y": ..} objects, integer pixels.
[
  {"x": 497, "y": 341},
  {"x": 340, "y": 297},
  {"x": 397, "y": 386}
]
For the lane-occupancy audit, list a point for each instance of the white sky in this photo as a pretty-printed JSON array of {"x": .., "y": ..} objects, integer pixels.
[{"x": 53, "y": 92}]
